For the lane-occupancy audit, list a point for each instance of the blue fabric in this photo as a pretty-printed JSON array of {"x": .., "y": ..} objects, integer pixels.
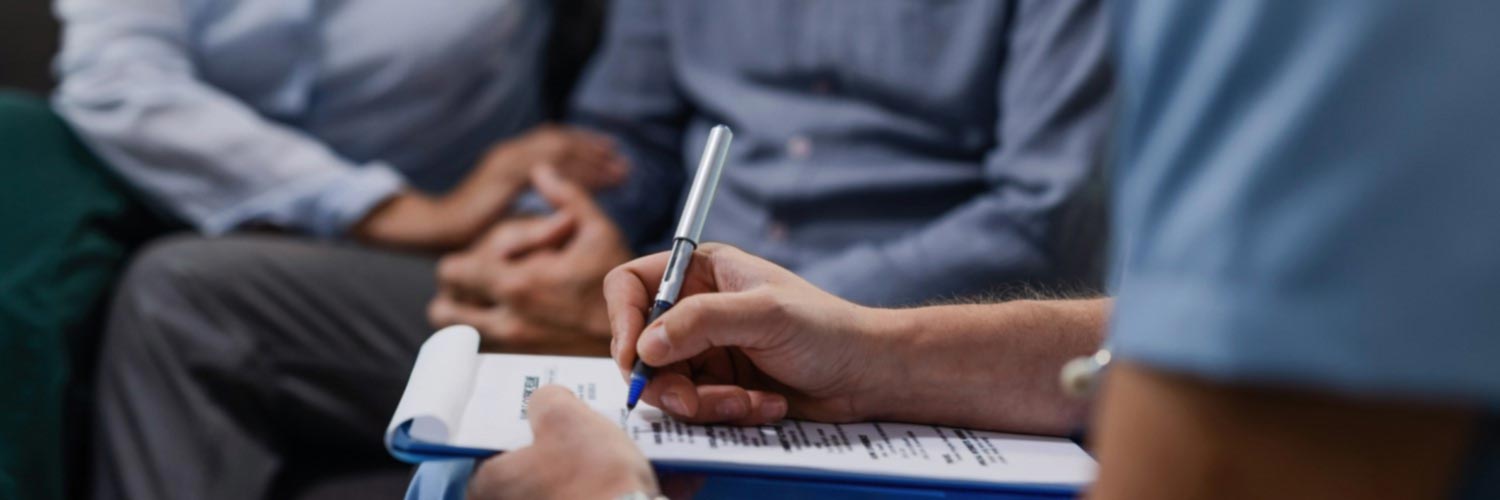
[
  {"x": 889, "y": 151},
  {"x": 440, "y": 480},
  {"x": 295, "y": 113},
  {"x": 1307, "y": 193}
]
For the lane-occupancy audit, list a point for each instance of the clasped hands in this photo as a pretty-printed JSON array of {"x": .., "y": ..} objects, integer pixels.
[
  {"x": 410, "y": 219},
  {"x": 534, "y": 284}
]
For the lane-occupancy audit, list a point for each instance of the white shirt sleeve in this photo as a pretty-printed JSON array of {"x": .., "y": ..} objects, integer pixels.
[{"x": 129, "y": 88}]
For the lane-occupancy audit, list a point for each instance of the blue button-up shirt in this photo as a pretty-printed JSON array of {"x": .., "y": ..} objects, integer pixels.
[
  {"x": 890, "y": 151},
  {"x": 1307, "y": 196},
  {"x": 296, "y": 113}
]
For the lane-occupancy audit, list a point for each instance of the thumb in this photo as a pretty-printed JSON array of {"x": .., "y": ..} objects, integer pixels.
[
  {"x": 699, "y": 322},
  {"x": 555, "y": 411},
  {"x": 561, "y": 193}
]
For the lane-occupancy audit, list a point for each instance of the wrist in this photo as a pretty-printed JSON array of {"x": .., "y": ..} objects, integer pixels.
[
  {"x": 507, "y": 164},
  {"x": 890, "y": 336},
  {"x": 403, "y": 220},
  {"x": 925, "y": 356},
  {"x": 376, "y": 225}
]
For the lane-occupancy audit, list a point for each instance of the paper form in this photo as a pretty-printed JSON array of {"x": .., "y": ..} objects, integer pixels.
[{"x": 494, "y": 417}]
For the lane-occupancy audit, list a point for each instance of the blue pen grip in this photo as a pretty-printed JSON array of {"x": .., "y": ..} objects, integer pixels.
[
  {"x": 642, "y": 369},
  {"x": 641, "y": 372}
]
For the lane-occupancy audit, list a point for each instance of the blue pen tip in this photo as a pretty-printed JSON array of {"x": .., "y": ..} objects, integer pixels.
[{"x": 637, "y": 384}]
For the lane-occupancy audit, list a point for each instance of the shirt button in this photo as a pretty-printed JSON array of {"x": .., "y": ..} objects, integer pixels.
[
  {"x": 777, "y": 232},
  {"x": 799, "y": 147}
]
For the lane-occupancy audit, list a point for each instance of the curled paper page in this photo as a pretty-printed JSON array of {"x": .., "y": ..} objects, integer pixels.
[{"x": 439, "y": 387}]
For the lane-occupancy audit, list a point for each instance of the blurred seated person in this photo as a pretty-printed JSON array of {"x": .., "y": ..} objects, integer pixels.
[
  {"x": 893, "y": 152},
  {"x": 1305, "y": 306},
  {"x": 331, "y": 129}
]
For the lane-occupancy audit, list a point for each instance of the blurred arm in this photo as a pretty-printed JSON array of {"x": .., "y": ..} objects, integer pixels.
[
  {"x": 130, "y": 90},
  {"x": 1167, "y": 436},
  {"x": 1054, "y": 98}
]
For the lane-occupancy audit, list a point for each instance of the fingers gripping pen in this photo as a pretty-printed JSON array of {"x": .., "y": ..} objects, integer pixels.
[{"x": 689, "y": 228}]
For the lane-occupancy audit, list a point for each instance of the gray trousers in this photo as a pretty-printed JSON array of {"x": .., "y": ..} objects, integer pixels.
[{"x": 230, "y": 363}]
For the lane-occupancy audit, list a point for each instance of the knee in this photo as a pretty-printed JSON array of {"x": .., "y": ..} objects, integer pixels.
[
  {"x": 166, "y": 299},
  {"x": 140, "y": 335},
  {"x": 166, "y": 267},
  {"x": 203, "y": 280}
]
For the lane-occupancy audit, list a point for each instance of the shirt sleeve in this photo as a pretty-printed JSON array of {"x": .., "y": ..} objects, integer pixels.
[
  {"x": 128, "y": 87},
  {"x": 1312, "y": 208},
  {"x": 629, "y": 93},
  {"x": 1054, "y": 99}
]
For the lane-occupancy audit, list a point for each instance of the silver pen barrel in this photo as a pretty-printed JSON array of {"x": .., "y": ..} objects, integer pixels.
[{"x": 705, "y": 182}]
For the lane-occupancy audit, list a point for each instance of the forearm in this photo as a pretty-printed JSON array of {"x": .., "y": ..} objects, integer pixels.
[
  {"x": 407, "y": 219},
  {"x": 992, "y": 366},
  {"x": 1171, "y": 436}
]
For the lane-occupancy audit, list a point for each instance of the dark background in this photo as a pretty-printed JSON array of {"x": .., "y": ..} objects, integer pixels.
[{"x": 28, "y": 38}]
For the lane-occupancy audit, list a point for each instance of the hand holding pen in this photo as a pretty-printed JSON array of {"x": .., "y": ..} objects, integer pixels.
[
  {"x": 749, "y": 342},
  {"x": 684, "y": 242}
]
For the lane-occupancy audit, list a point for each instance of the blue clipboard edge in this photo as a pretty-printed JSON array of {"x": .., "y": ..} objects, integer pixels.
[{"x": 409, "y": 450}]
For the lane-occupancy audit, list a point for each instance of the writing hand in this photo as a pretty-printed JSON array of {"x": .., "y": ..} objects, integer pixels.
[{"x": 748, "y": 342}]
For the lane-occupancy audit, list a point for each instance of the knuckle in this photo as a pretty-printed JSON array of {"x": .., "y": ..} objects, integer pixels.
[
  {"x": 517, "y": 331},
  {"x": 554, "y": 139},
  {"x": 509, "y": 332},
  {"x": 780, "y": 314},
  {"x": 449, "y": 268},
  {"x": 719, "y": 250},
  {"x": 713, "y": 247},
  {"x": 777, "y": 305},
  {"x": 514, "y": 291},
  {"x": 437, "y": 313}
]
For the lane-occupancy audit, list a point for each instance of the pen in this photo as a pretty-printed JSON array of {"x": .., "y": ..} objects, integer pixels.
[
  {"x": 689, "y": 228},
  {"x": 1081, "y": 375}
]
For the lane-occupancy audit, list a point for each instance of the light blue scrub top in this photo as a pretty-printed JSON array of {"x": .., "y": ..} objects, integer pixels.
[{"x": 1308, "y": 193}]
